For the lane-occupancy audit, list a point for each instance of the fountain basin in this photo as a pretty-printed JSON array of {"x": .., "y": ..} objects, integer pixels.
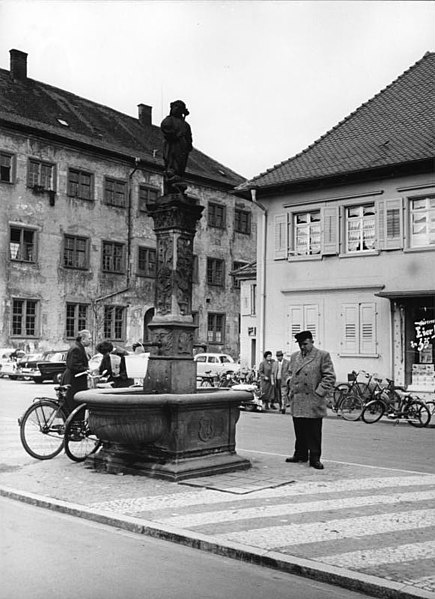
[{"x": 170, "y": 436}]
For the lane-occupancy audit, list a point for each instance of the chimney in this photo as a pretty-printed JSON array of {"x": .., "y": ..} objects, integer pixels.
[
  {"x": 18, "y": 65},
  {"x": 145, "y": 113}
]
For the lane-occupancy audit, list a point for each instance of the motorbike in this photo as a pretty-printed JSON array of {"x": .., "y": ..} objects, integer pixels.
[{"x": 254, "y": 404}]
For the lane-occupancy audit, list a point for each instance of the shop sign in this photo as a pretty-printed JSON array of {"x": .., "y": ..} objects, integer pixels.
[{"x": 424, "y": 333}]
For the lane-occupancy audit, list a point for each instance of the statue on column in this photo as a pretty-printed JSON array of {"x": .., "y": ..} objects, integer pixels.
[{"x": 176, "y": 148}]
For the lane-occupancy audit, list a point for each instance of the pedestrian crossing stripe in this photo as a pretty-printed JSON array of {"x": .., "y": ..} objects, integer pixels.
[
  {"x": 211, "y": 497},
  {"x": 333, "y": 530},
  {"x": 271, "y": 511},
  {"x": 387, "y": 555}
]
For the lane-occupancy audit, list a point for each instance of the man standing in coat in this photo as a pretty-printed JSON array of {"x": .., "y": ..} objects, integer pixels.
[
  {"x": 312, "y": 377},
  {"x": 281, "y": 375},
  {"x": 76, "y": 363}
]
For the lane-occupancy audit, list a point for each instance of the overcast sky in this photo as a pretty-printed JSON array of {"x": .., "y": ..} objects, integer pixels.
[{"x": 262, "y": 79}]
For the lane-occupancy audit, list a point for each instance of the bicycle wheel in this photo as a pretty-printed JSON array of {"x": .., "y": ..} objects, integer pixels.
[
  {"x": 80, "y": 442},
  {"x": 417, "y": 414},
  {"x": 431, "y": 407},
  {"x": 373, "y": 411},
  {"x": 339, "y": 391},
  {"x": 350, "y": 406},
  {"x": 42, "y": 428}
]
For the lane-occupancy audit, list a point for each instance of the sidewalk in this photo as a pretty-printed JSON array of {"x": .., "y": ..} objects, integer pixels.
[{"x": 365, "y": 528}]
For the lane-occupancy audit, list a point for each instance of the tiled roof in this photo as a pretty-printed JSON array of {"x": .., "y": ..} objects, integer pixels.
[
  {"x": 396, "y": 126},
  {"x": 39, "y": 105}
]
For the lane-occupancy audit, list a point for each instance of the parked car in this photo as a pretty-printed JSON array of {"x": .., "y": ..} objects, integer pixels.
[
  {"x": 8, "y": 361},
  {"x": 50, "y": 367},
  {"x": 216, "y": 363},
  {"x": 24, "y": 363}
]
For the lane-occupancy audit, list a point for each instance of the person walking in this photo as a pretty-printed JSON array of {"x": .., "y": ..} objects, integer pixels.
[
  {"x": 76, "y": 364},
  {"x": 267, "y": 391},
  {"x": 281, "y": 375},
  {"x": 312, "y": 376}
]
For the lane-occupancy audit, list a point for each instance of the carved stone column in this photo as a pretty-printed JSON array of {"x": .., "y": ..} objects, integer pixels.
[{"x": 171, "y": 368}]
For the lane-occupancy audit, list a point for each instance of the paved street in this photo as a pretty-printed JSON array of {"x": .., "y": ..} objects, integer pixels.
[
  {"x": 368, "y": 516},
  {"x": 55, "y": 555}
]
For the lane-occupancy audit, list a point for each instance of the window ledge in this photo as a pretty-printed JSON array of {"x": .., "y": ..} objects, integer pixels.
[
  {"x": 6, "y": 182},
  {"x": 424, "y": 248},
  {"x": 358, "y": 355},
  {"x": 360, "y": 254},
  {"x": 303, "y": 258}
]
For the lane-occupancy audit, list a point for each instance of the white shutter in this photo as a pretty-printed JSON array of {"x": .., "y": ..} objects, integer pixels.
[
  {"x": 367, "y": 329},
  {"x": 311, "y": 321},
  {"x": 350, "y": 328},
  {"x": 280, "y": 236},
  {"x": 390, "y": 224},
  {"x": 295, "y": 325},
  {"x": 245, "y": 289},
  {"x": 330, "y": 230}
]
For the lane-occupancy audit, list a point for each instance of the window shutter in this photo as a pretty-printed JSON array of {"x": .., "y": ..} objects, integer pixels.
[
  {"x": 311, "y": 321},
  {"x": 295, "y": 324},
  {"x": 280, "y": 236},
  {"x": 330, "y": 230},
  {"x": 245, "y": 290},
  {"x": 350, "y": 328},
  {"x": 367, "y": 329},
  {"x": 390, "y": 224}
]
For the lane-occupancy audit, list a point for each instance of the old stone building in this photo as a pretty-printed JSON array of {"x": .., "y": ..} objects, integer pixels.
[{"x": 77, "y": 245}]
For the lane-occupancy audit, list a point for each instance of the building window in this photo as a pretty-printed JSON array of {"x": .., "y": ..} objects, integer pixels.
[
  {"x": 40, "y": 175},
  {"x": 147, "y": 194},
  {"x": 114, "y": 322},
  {"x": 115, "y": 193},
  {"x": 22, "y": 244},
  {"x": 422, "y": 213},
  {"x": 76, "y": 319},
  {"x": 5, "y": 167},
  {"x": 146, "y": 265},
  {"x": 215, "y": 328},
  {"x": 358, "y": 337},
  {"x": 113, "y": 257},
  {"x": 253, "y": 296},
  {"x": 75, "y": 252},
  {"x": 215, "y": 272},
  {"x": 24, "y": 314},
  {"x": 80, "y": 184},
  {"x": 242, "y": 221},
  {"x": 216, "y": 215},
  {"x": 360, "y": 228},
  {"x": 307, "y": 233},
  {"x": 303, "y": 317}
]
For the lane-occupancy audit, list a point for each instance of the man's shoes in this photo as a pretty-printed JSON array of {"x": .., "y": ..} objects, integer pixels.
[
  {"x": 317, "y": 465},
  {"x": 296, "y": 460}
]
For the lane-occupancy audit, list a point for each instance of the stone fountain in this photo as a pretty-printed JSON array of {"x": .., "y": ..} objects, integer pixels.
[{"x": 167, "y": 429}]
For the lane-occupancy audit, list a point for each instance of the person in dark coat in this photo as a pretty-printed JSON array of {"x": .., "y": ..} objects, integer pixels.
[
  {"x": 312, "y": 376},
  {"x": 267, "y": 390},
  {"x": 76, "y": 363}
]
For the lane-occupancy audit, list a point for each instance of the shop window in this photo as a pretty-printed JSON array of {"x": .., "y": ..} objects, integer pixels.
[
  {"x": 422, "y": 221},
  {"x": 114, "y": 322},
  {"x": 215, "y": 328},
  {"x": 24, "y": 317},
  {"x": 76, "y": 319},
  {"x": 22, "y": 244},
  {"x": 75, "y": 252},
  {"x": 360, "y": 228}
]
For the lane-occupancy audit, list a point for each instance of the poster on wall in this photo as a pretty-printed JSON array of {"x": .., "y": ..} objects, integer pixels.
[{"x": 424, "y": 333}]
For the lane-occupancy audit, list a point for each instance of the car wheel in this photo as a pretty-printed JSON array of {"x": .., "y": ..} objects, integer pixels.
[
  {"x": 13, "y": 377},
  {"x": 38, "y": 379}
]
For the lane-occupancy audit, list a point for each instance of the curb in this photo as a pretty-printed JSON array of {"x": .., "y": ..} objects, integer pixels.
[{"x": 348, "y": 579}]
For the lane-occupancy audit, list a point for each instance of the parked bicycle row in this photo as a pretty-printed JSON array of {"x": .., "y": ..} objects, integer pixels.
[{"x": 369, "y": 397}]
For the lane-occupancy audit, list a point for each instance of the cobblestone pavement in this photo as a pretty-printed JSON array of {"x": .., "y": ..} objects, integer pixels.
[{"x": 374, "y": 524}]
